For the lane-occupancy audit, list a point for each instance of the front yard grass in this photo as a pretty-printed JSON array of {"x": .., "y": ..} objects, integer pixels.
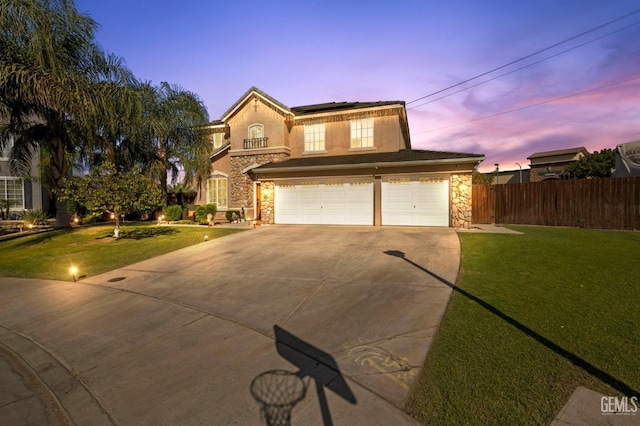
[
  {"x": 49, "y": 255},
  {"x": 534, "y": 316}
]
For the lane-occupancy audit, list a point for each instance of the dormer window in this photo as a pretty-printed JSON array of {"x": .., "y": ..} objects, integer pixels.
[{"x": 362, "y": 133}]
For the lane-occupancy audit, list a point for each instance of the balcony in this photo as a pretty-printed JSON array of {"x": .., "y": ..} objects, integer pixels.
[{"x": 254, "y": 143}]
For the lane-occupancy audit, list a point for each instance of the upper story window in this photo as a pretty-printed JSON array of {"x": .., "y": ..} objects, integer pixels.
[
  {"x": 216, "y": 140},
  {"x": 256, "y": 137},
  {"x": 5, "y": 152},
  {"x": 362, "y": 133},
  {"x": 314, "y": 137},
  {"x": 256, "y": 131}
]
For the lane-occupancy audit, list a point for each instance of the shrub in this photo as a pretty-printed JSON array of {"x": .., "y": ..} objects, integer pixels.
[
  {"x": 173, "y": 212},
  {"x": 35, "y": 217},
  {"x": 184, "y": 222},
  {"x": 229, "y": 215},
  {"x": 203, "y": 211},
  {"x": 93, "y": 217}
]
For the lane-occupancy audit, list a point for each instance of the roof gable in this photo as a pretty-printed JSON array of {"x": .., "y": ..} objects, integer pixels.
[
  {"x": 254, "y": 93},
  {"x": 560, "y": 152}
]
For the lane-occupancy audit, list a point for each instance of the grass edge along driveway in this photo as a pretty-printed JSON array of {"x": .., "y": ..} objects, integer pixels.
[
  {"x": 93, "y": 250},
  {"x": 533, "y": 317}
]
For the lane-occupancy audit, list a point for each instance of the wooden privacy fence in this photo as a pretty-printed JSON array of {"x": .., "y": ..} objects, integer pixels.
[{"x": 611, "y": 203}]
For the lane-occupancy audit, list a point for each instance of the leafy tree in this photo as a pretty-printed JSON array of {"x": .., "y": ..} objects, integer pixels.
[
  {"x": 598, "y": 164},
  {"x": 106, "y": 189},
  {"x": 49, "y": 65},
  {"x": 171, "y": 119},
  {"x": 479, "y": 178}
]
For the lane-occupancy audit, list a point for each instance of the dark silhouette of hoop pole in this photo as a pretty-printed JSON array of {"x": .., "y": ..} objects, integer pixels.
[{"x": 312, "y": 363}]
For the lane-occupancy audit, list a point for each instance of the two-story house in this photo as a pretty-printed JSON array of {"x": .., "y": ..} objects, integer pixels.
[{"x": 347, "y": 163}]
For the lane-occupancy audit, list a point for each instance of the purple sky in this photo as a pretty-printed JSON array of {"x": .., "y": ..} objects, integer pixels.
[{"x": 304, "y": 52}]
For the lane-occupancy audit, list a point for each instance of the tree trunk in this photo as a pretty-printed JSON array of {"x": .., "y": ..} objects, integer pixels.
[
  {"x": 162, "y": 153},
  {"x": 62, "y": 217},
  {"x": 59, "y": 171}
]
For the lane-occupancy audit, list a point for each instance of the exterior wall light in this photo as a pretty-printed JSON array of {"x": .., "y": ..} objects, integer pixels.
[{"x": 73, "y": 271}]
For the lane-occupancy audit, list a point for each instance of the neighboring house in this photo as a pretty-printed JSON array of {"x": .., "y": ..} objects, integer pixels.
[
  {"x": 511, "y": 176},
  {"x": 627, "y": 160},
  {"x": 24, "y": 194},
  {"x": 345, "y": 163},
  {"x": 551, "y": 164}
]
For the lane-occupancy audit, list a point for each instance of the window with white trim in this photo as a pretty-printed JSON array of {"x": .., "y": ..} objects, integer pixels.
[
  {"x": 256, "y": 131},
  {"x": 217, "y": 191},
  {"x": 362, "y": 133},
  {"x": 5, "y": 152},
  {"x": 314, "y": 137},
  {"x": 216, "y": 140},
  {"x": 12, "y": 189}
]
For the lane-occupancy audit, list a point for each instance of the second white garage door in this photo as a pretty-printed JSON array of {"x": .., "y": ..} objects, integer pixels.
[
  {"x": 324, "y": 202},
  {"x": 415, "y": 201}
]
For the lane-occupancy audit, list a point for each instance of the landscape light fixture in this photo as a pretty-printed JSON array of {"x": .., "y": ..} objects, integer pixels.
[
  {"x": 206, "y": 237},
  {"x": 73, "y": 271}
]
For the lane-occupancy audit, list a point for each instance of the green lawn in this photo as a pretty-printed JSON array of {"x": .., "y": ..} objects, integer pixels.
[
  {"x": 92, "y": 250},
  {"x": 534, "y": 316}
]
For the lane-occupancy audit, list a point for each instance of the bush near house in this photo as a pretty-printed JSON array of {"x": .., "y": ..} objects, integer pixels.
[
  {"x": 203, "y": 211},
  {"x": 35, "y": 217},
  {"x": 173, "y": 212}
]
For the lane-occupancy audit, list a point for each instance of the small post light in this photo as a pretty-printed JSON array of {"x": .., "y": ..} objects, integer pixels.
[
  {"x": 73, "y": 270},
  {"x": 206, "y": 237},
  {"x": 31, "y": 227}
]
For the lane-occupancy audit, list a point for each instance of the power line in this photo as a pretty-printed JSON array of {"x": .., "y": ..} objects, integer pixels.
[
  {"x": 529, "y": 106},
  {"x": 523, "y": 67},
  {"x": 527, "y": 56}
]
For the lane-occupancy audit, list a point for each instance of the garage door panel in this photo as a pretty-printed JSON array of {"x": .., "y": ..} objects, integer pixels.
[
  {"x": 415, "y": 201},
  {"x": 337, "y": 203}
]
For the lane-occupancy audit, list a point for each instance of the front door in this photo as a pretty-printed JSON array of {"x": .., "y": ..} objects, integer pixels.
[{"x": 258, "y": 214}]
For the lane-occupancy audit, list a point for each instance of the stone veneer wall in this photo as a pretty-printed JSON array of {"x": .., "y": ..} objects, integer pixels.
[
  {"x": 268, "y": 189},
  {"x": 241, "y": 184},
  {"x": 461, "y": 200}
]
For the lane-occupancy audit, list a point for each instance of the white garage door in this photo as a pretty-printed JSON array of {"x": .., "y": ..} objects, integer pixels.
[
  {"x": 332, "y": 202},
  {"x": 415, "y": 201}
]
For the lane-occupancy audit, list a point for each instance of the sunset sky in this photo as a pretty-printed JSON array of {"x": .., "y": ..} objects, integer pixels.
[{"x": 582, "y": 92}]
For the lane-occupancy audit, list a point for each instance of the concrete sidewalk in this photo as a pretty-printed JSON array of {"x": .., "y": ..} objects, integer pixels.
[{"x": 179, "y": 339}]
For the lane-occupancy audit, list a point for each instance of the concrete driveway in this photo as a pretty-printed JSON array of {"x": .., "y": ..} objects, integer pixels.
[{"x": 179, "y": 339}]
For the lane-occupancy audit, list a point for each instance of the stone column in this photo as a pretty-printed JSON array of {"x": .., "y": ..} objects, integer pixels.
[
  {"x": 461, "y": 200},
  {"x": 268, "y": 189}
]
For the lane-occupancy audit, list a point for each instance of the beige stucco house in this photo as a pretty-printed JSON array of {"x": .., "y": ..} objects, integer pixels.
[{"x": 347, "y": 163}]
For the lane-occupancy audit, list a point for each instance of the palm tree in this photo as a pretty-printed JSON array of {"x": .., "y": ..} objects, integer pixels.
[
  {"x": 49, "y": 68},
  {"x": 172, "y": 118}
]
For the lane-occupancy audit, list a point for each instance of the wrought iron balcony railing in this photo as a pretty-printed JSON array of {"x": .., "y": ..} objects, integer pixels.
[{"x": 255, "y": 143}]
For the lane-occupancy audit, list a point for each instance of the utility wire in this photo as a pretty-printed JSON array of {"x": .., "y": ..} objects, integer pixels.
[
  {"x": 529, "y": 106},
  {"x": 523, "y": 67},
  {"x": 527, "y": 56}
]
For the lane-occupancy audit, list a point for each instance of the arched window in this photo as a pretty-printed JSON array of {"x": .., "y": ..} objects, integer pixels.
[{"x": 256, "y": 131}]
